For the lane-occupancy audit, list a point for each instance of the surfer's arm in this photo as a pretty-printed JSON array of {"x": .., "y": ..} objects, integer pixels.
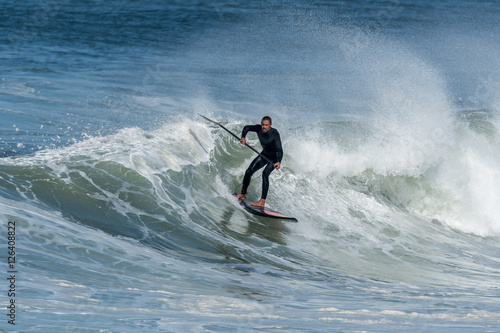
[
  {"x": 246, "y": 129},
  {"x": 279, "y": 149}
]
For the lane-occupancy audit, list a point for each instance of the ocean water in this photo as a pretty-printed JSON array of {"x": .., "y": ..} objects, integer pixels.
[{"x": 121, "y": 195}]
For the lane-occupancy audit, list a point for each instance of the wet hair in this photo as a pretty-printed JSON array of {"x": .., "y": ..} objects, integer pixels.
[{"x": 268, "y": 118}]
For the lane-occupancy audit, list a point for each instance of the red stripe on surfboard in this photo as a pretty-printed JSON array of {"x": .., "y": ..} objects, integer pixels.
[{"x": 274, "y": 213}]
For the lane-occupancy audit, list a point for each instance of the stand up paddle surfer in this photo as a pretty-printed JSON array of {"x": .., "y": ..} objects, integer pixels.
[{"x": 271, "y": 143}]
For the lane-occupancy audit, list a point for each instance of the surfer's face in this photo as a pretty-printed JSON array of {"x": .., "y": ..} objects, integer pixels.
[{"x": 266, "y": 126}]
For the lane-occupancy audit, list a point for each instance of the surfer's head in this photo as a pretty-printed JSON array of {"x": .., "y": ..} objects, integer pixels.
[{"x": 266, "y": 124}]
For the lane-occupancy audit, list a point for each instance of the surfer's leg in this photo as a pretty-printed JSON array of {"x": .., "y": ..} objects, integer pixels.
[
  {"x": 265, "y": 186},
  {"x": 256, "y": 164},
  {"x": 265, "y": 180}
]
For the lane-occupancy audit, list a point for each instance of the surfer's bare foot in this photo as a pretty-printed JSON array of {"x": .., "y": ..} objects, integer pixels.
[
  {"x": 240, "y": 196},
  {"x": 259, "y": 203}
]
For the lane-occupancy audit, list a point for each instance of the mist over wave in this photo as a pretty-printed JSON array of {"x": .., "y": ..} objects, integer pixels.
[{"x": 371, "y": 107}]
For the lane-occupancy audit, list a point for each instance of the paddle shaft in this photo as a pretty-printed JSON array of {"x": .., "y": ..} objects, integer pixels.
[{"x": 237, "y": 138}]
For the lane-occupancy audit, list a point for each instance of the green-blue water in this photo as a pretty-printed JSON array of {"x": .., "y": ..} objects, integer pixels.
[{"x": 121, "y": 194}]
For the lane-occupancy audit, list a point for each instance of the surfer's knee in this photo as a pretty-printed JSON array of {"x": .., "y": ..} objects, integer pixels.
[
  {"x": 267, "y": 171},
  {"x": 249, "y": 172}
]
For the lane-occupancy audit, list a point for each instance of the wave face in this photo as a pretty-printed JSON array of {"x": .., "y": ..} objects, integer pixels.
[
  {"x": 122, "y": 195},
  {"x": 147, "y": 217}
]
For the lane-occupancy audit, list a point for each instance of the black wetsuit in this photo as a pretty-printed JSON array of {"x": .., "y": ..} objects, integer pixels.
[{"x": 271, "y": 144}]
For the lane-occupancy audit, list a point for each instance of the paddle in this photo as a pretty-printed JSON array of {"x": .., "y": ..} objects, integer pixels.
[{"x": 237, "y": 138}]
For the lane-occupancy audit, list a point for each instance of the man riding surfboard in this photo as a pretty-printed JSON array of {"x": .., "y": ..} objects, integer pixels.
[{"x": 272, "y": 152}]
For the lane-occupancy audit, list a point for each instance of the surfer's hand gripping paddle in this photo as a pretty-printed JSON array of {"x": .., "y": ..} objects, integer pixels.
[{"x": 237, "y": 138}]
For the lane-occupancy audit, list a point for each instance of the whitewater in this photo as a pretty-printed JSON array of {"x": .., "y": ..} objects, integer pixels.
[{"x": 122, "y": 195}]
